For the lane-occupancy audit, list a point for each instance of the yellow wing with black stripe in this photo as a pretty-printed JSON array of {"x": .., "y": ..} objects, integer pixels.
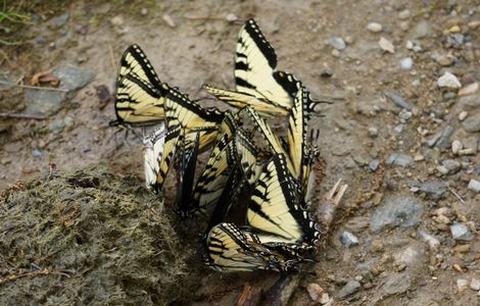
[
  {"x": 139, "y": 93},
  {"x": 275, "y": 210},
  {"x": 230, "y": 249},
  {"x": 192, "y": 118},
  {"x": 258, "y": 84}
]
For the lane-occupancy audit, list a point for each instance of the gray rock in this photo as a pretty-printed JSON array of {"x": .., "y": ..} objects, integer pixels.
[
  {"x": 40, "y": 40},
  {"x": 73, "y": 78},
  {"x": 403, "y": 211},
  {"x": 396, "y": 283},
  {"x": 472, "y": 123},
  {"x": 350, "y": 288},
  {"x": 37, "y": 153},
  {"x": 348, "y": 239},
  {"x": 44, "y": 102},
  {"x": 56, "y": 126},
  {"x": 452, "y": 165},
  {"x": 397, "y": 100},
  {"x": 60, "y": 21},
  {"x": 399, "y": 159},
  {"x": 337, "y": 43},
  {"x": 474, "y": 185},
  {"x": 469, "y": 103},
  {"x": 434, "y": 190},
  {"x": 441, "y": 140},
  {"x": 406, "y": 63},
  {"x": 461, "y": 232},
  {"x": 422, "y": 29},
  {"x": 373, "y": 165}
]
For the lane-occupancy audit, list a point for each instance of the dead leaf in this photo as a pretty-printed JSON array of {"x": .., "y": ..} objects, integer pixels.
[{"x": 45, "y": 77}]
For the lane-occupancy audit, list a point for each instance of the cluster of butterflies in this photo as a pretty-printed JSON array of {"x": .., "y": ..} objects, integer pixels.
[{"x": 256, "y": 185}]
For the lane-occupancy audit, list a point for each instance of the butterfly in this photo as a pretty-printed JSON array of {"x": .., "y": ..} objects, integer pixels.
[
  {"x": 258, "y": 83},
  {"x": 140, "y": 94},
  {"x": 231, "y": 249},
  {"x": 275, "y": 209}
]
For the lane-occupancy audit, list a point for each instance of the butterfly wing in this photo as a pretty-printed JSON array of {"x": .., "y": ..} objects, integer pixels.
[
  {"x": 139, "y": 94},
  {"x": 274, "y": 209},
  {"x": 229, "y": 249},
  {"x": 153, "y": 152},
  {"x": 192, "y": 118}
]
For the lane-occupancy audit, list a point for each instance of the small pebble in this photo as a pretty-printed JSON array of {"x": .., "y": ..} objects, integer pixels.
[
  {"x": 386, "y": 45},
  {"x": 315, "y": 291},
  {"x": 475, "y": 284},
  {"x": 474, "y": 185},
  {"x": 469, "y": 89},
  {"x": 456, "y": 146},
  {"x": 461, "y": 232},
  {"x": 406, "y": 63},
  {"x": 168, "y": 20},
  {"x": 373, "y": 165},
  {"x": 374, "y": 27},
  {"x": 337, "y": 42},
  {"x": 231, "y": 17},
  {"x": 325, "y": 299},
  {"x": 144, "y": 11},
  {"x": 461, "y": 284},
  {"x": 451, "y": 165},
  {"x": 117, "y": 21},
  {"x": 448, "y": 80},
  {"x": 432, "y": 242},
  {"x": 444, "y": 60},
  {"x": 37, "y": 153},
  {"x": 462, "y": 115},
  {"x": 372, "y": 132},
  {"x": 405, "y": 14},
  {"x": 350, "y": 288},
  {"x": 348, "y": 239},
  {"x": 405, "y": 114}
]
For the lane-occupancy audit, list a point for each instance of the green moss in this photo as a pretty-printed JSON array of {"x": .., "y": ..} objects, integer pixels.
[{"x": 101, "y": 238}]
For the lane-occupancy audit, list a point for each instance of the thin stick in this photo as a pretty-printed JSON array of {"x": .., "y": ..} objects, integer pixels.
[
  {"x": 456, "y": 195},
  {"x": 21, "y": 116},
  {"x": 33, "y": 87}
]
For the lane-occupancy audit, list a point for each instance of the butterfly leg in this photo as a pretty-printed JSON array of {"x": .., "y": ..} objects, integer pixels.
[{"x": 329, "y": 204}]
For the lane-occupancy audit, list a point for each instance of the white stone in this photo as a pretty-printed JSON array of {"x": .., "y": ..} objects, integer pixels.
[
  {"x": 462, "y": 115},
  {"x": 475, "y": 284},
  {"x": 231, "y": 17},
  {"x": 474, "y": 185},
  {"x": 404, "y": 14},
  {"x": 406, "y": 63},
  {"x": 448, "y": 80},
  {"x": 462, "y": 284},
  {"x": 386, "y": 45},
  {"x": 374, "y": 27},
  {"x": 456, "y": 146}
]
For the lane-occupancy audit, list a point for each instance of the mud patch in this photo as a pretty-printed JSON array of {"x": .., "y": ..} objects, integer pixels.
[{"x": 89, "y": 237}]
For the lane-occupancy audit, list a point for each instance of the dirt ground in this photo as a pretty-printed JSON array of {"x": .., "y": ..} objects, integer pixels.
[{"x": 389, "y": 137}]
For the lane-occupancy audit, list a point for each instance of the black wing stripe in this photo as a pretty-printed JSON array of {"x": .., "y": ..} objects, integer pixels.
[{"x": 254, "y": 31}]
